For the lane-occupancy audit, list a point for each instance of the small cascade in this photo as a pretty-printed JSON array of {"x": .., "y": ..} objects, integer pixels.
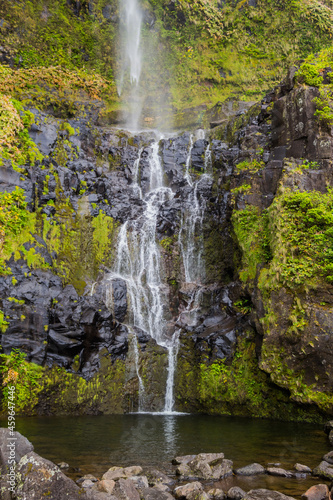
[
  {"x": 172, "y": 361},
  {"x": 138, "y": 263},
  {"x": 136, "y": 358},
  {"x": 188, "y": 163},
  {"x": 136, "y": 185},
  {"x": 190, "y": 235},
  {"x": 208, "y": 161}
]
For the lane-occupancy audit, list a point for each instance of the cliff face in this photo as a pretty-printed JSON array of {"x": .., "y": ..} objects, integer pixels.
[
  {"x": 258, "y": 340},
  {"x": 197, "y": 52},
  {"x": 254, "y": 320}
]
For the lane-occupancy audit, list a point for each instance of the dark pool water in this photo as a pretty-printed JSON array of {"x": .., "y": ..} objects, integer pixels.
[{"x": 93, "y": 444}]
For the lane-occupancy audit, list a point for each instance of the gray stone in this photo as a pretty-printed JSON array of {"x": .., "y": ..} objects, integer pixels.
[
  {"x": 155, "y": 494},
  {"x": 328, "y": 457},
  {"x": 87, "y": 483},
  {"x": 216, "y": 494},
  {"x": 139, "y": 482},
  {"x": 278, "y": 471},
  {"x": 114, "y": 473},
  {"x": 39, "y": 478},
  {"x": 185, "y": 459},
  {"x": 324, "y": 470},
  {"x": 156, "y": 478},
  {"x": 263, "y": 494},
  {"x": 126, "y": 490},
  {"x": 236, "y": 493},
  {"x": 302, "y": 468},
  {"x": 191, "y": 491},
  {"x": 205, "y": 466},
  {"x": 19, "y": 446},
  {"x": 134, "y": 470},
  {"x": 250, "y": 470},
  {"x": 330, "y": 437},
  {"x": 106, "y": 486}
]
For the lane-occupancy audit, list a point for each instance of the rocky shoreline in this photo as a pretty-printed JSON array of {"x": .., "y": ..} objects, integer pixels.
[{"x": 27, "y": 476}]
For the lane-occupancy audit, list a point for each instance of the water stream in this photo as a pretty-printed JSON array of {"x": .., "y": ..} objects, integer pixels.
[
  {"x": 138, "y": 263},
  {"x": 131, "y": 58},
  {"x": 138, "y": 260},
  {"x": 191, "y": 234}
]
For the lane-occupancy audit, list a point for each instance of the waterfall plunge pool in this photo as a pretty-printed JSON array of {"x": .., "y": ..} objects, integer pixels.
[{"x": 92, "y": 444}]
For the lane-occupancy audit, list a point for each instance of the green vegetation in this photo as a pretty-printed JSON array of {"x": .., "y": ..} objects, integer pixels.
[
  {"x": 3, "y": 324},
  {"x": 14, "y": 369},
  {"x": 251, "y": 229},
  {"x": 275, "y": 362},
  {"x": 16, "y": 226},
  {"x": 15, "y": 143},
  {"x": 234, "y": 387},
  {"x": 64, "y": 392},
  {"x": 294, "y": 236},
  {"x": 217, "y": 50},
  {"x": 301, "y": 240},
  {"x": 82, "y": 243},
  {"x": 252, "y": 166},
  {"x": 316, "y": 71},
  {"x": 202, "y": 50}
]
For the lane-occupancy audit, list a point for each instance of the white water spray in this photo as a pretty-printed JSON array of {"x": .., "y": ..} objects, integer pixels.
[
  {"x": 190, "y": 234},
  {"x": 138, "y": 263},
  {"x": 131, "y": 21},
  {"x": 131, "y": 60}
]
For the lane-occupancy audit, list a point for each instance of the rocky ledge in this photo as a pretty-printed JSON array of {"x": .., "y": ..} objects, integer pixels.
[{"x": 24, "y": 475}]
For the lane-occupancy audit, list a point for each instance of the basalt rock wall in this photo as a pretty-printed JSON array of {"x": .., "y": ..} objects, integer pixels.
[{"x": 254, "y": 330}]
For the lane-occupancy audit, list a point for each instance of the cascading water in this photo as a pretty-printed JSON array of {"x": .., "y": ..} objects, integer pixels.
[
  {"x": 138, "y": 260},
  {"x": 138, "y": 263},
  {"x": 190, "y": 234},
  {"x": 131, "y": 16},
  {"x": 131, "y": 61}
]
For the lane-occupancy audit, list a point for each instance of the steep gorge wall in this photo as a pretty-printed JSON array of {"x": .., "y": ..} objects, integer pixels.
[{"x": 260, "y": 342}]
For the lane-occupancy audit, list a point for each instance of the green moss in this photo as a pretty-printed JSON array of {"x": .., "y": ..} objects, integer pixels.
[
  {"x": 3, "y": 324},
  {"x": 68, "y": 128},
  {"x": 252, "y": 166},
  {"x": 251, "y": 229},
  {"x": 82, "y": 243},
  {"x": 301, "y": 240},
  {"x": 167, "y": 243},
  {"x": 15, "y": 143},
  {"x": 62, "y": 392},
  {"x": 275, "y": 362},
  {"x": 234, "y": 387},
  {"x": 14, "y": 370}
]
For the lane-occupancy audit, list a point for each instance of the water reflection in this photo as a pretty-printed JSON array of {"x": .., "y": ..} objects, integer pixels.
[
  {"x": 96, "y": 443},
  {"x": 170, "y": 433}
]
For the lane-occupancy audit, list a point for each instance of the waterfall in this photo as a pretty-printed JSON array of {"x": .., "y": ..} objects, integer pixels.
[
  {"x": 190, "y": 234},
  {"x": 138, "y": 259},
  {"x": 172, "y": 360},
  {"x": 136, "y": 357},
  {"x": 131, "y": 60},
  {"x": 138, "y": 263},
  {"x": 131, "y": 20}
]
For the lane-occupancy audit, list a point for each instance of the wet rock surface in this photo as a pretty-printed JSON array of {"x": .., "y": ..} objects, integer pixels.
[{"x": 69, "y": 321}]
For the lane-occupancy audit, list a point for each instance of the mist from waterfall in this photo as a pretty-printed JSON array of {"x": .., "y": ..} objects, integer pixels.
[
  {"x": 131, "y": 57},
  {"x": 138, "y": 260}
]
